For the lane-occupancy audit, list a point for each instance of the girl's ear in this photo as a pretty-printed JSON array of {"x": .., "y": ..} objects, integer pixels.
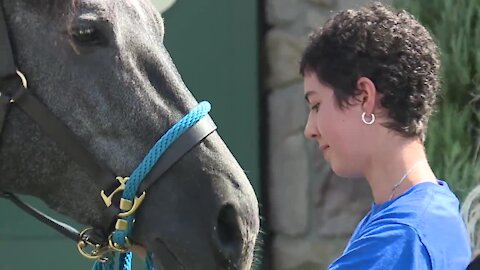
[{"x": 367, "y": 95}]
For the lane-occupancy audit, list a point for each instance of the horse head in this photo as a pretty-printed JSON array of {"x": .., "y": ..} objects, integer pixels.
[{"x": 101, "y": 68}]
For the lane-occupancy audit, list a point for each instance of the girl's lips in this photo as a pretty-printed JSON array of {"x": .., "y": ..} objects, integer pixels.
[{"x": 324, "y": 148}]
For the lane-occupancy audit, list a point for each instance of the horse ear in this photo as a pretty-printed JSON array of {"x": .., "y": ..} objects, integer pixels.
[{"x": 163, "y": 5}]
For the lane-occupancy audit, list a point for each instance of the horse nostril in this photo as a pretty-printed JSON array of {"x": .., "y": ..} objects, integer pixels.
[{"x": 227, "y": 235}]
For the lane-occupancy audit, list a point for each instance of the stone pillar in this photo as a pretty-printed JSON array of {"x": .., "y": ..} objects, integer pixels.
[{"x": 312, "y": 212}]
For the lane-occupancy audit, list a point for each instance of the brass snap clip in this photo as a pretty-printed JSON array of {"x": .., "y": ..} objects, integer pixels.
[
  {"x": 91, "y": 250},
  {"x": 117, "y": 247}
]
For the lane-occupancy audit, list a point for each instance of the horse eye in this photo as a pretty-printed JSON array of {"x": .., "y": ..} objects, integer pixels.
[{"x": 88, "y": 36}]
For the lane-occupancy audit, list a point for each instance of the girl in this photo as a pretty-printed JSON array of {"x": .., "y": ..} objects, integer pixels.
[{"x": 371, "y": 81}]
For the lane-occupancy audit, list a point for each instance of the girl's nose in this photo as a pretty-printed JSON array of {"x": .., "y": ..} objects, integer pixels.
[{"x": 310, "y": 131}]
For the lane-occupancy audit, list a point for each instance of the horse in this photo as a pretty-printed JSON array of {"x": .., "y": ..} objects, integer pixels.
[{"x": 100, "y": 67}]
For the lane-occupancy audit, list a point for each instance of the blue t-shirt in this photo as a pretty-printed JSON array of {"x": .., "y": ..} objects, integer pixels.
[{"x": 421, "y": 229}]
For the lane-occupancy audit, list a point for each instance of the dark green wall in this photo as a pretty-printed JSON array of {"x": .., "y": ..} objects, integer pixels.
[
  {"x": 28, "y": 244},
  {"x": 214, "y": 45}
]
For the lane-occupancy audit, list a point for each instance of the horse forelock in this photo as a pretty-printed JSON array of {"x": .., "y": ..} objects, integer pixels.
[{"x": 48, "y": 4}]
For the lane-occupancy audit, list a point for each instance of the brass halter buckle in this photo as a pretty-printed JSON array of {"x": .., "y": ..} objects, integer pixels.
[
  {"x": 98, "y": 252},
  {"x": 127, "y": 206},
  {"x": 117, "y": 247},
  {"x": 24, "y": 83},
  {"x": 90, "y": 250}
]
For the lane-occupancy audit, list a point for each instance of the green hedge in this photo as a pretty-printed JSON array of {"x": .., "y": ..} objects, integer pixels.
[{"x": 453, "y": 137}]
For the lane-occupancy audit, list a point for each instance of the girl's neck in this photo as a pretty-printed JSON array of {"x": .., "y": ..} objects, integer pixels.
[{"x": 402, "y": 160}]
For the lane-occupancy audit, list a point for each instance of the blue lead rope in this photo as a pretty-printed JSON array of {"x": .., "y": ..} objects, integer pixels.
[{"x": 131, "y": 188}]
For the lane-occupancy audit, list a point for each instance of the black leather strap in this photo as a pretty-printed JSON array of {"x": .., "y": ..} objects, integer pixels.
[
  {"x": 4, "y": 105},
  {"x": 62, "y": 136},
  {"x": 60, "y": 227},
  {"x": 180, "y": 147},
  {"x": 7, "y": 62}
]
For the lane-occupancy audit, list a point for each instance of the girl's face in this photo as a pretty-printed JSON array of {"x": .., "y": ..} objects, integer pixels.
[{"x": 341, "y": 135}]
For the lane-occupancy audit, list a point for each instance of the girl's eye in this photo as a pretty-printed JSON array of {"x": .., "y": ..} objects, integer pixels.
[{"x": 315, "y": 107}]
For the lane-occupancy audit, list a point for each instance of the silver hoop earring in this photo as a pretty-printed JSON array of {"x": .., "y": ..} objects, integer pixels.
[{"x": 372, "y": 120}]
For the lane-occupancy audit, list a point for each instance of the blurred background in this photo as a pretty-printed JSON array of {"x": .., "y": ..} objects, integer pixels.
[{"x": 243, "y": 57}]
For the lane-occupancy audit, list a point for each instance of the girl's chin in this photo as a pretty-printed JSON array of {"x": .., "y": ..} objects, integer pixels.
[{"x": 344, "y": 171}]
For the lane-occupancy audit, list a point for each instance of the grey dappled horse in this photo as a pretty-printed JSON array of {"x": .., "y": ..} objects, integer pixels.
[{"x": 101, "y": 67}]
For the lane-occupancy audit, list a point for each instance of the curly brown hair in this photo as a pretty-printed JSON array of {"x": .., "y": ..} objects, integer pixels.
[{"x": 392, "y": 49}]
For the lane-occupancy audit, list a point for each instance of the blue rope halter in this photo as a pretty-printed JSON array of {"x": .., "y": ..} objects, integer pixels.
[{"x": 129, "y": 201}]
